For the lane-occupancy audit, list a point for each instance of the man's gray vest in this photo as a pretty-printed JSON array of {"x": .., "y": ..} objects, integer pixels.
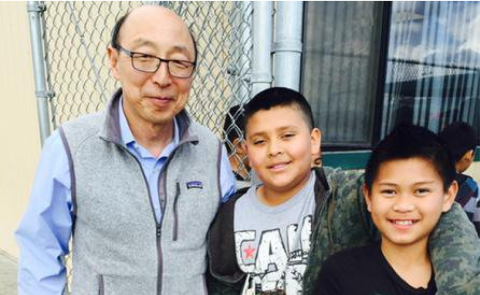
[{"x": 118, "y": 247}]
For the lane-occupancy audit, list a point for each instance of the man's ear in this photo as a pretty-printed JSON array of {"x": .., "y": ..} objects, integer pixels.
[
  {"x": 112, "y": 54},
  {"x": 449, "y": 197},
  {"x": 367, "y": 195}
]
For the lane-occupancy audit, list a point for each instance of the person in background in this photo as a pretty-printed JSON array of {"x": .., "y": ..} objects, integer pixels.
[
  {"x": 461, "y": 140},
  {"x": 232, "y": 130},
  {"x": 137, "y": 185}
]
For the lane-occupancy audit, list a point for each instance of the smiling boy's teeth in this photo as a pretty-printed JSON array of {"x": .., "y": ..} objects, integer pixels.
[{"x": 403, "y": 222}]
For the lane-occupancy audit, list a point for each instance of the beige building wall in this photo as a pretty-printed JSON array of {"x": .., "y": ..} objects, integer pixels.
[
  {"x": 474, "y": 171},
  {"x": 19, "y": 130}
]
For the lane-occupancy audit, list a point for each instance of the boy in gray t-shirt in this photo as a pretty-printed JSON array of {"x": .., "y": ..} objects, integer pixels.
[
  {"x": 273, "y": 221},
  {"x": 272, "y": 242}
]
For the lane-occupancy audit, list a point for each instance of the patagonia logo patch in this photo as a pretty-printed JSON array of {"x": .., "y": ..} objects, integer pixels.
[{"x": 194, "y": 184}]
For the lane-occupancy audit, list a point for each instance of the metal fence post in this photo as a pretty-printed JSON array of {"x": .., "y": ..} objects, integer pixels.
[
  {"x": 240, "y": 66},
  {"x": 262, "y": 44},
  {"x": 288, "y": 44},
  {"x": 35, "y": 13},
  {"x": 262, "y": 53}
]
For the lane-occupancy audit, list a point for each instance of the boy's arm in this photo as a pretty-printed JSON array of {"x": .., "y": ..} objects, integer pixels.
[
  {"x": 349, "y": 222},
  {"x": 455, "y": 254},
  {"x": 343, "y": 223},
  {"x": 223, "y": 273}
]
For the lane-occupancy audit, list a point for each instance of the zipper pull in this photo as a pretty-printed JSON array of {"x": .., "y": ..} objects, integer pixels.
[{"x": 159, "y": 232}]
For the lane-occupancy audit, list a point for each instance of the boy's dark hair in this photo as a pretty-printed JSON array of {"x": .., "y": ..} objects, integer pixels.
[
  {"x": 278, "y": 97},
  {"x": 459, "y": 137},
  {"x": 232, "y": 127},
  {"x": 121, "y": 21},
  {"x": 406, "y": 142}
]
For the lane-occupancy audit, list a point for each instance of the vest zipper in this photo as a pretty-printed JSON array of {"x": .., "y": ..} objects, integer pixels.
[
  {"x": 175, "y": 215},
  {"x": 101, "y": 289},
  {"x": 158, "y": 225},
  {"x": 163, "y": 174},
  {"x": 160, "y": 259}
]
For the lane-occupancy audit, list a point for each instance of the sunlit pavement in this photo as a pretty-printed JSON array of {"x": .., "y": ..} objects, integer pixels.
[{"x": 8, "y": 275}]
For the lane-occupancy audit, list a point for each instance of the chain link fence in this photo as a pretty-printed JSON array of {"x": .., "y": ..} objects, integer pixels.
[
  {"x": 429, "y": 91},
  {"x": 76, "y": 36}
]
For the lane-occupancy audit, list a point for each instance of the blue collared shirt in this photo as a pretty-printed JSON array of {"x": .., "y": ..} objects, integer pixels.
[{"x": 45, "y": 229}]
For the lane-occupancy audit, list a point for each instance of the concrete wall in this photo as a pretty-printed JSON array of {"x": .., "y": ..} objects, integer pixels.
[
  {"x": 474, "y": 171},
  {"x": 19, "y": 131}
]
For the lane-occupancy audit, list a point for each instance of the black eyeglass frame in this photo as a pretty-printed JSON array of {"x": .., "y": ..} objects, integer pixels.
[{"x": 131, "y": 54}]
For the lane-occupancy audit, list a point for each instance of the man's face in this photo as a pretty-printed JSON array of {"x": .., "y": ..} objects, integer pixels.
[
  {"x": 152, "y": 99},
  {"x": 280, "y": 147},
  {"x": 406, "y": 201}
]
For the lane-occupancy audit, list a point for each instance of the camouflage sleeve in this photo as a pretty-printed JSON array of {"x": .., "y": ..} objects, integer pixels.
[
  {"x": 343, "y": 223},
  {"x": 349, "y": 222},
  {"x": 455, "y": 253}
]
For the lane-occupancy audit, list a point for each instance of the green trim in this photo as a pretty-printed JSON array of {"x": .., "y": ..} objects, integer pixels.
[
  {"x": 357, "y": 159},
  {"x": 346, "y": 160}
]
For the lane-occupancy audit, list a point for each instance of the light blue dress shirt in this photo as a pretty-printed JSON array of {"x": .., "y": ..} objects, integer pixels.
[{"x": 45, "y": 229}]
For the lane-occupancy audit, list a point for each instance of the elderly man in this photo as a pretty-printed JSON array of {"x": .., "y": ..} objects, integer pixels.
[{"x": 137, "y": 185}]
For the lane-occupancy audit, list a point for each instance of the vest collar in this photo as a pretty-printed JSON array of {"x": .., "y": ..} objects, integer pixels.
[{"x": 110, "y": 130}]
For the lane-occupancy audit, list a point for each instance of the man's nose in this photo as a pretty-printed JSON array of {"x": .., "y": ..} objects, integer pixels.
[{"x": 162, "y": 76}]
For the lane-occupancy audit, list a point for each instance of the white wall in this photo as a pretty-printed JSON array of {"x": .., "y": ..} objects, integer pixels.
[{"x": 19, "y": 132}]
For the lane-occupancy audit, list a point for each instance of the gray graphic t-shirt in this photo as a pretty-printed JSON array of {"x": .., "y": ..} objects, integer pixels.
[{"x": 272, "y": 243}]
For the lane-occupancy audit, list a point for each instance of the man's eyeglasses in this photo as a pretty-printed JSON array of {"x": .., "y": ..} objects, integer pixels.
[{"x": 149, "y": 64}]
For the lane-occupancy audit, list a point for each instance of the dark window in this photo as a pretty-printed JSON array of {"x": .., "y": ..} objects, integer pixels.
[
  {"x": 340, "y": 67},
  {"x": 368, "y": 66}
]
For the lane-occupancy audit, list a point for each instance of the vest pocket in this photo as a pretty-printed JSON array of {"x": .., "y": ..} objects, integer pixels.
[
  {"x": 101, "y": 290},
  {"x": 190, "y": 212}
]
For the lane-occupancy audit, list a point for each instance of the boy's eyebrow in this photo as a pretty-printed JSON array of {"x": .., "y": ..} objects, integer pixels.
[
  {"x": 416, "y": 183},
  {"x": 424, "y": 182},
  {"x": 261, "y": 133},
  {"x": 387, "y": 183},
  {"x": 277, "y": 129},
  {"x": 287, "y": 127}
]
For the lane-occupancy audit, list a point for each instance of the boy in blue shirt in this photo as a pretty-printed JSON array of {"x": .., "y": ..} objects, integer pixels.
[{"x": 461, "y": 140}]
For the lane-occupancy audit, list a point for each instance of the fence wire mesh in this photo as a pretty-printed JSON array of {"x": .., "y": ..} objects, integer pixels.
[
  {"x": 76, "y": 36},
  {"x": 78, "y": 33},
  {"x": 223, "y": 32}
]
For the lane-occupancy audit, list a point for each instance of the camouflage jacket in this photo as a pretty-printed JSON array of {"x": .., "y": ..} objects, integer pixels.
[{"x": 341, "y": 221}]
